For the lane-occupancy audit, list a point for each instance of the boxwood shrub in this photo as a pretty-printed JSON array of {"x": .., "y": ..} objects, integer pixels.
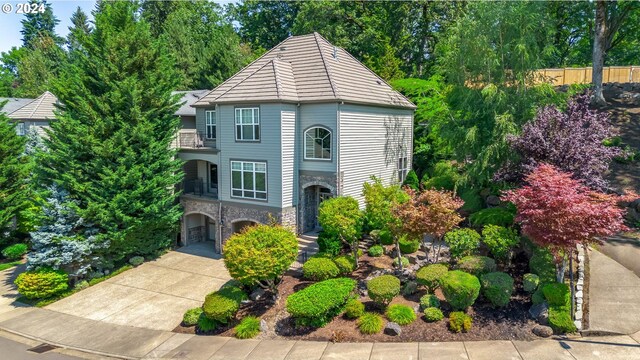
[
  {"x": 222, "y": 305},
  {"x": 541, "y": 263},
  {"x": 346, "y": 264},
  {"x": 328, "y": 243},
  {"x": 557, "y": 294},
  {"x": 407, "y": 245},
  {"x": 462, "y": 242},
  {"x": 400, "y": 314},
  {"x": 500, "y": 240},
  {"x": 191, "y": 316},
  {"x": 405, "y": 262},
  {"x": 386, "y": 237},
  {"x": 383, "y": 289},
  {"x": 318, "y": 303},
  {"x": 430, "y": 276},
  {"x": 42, "y": 283},
  {"x": 492, "y": 216},
  {"x": 560, "y": 320},
  {"x": 530, "y": 282},
  {"x": 477, "y": 265},
  {"x": 354, "y": 309},
  {"x": 428, "y": 301},
  {"x": 460, "y": 289},
  {"x": 433, "y": 314},
  {"x": 459, "y": 322},
  {"x": 497, "y": 287},
  {"x": 370, "y": 323},
  {"x": 320, "y": 268},
  {"x": 376, "y": 251}
]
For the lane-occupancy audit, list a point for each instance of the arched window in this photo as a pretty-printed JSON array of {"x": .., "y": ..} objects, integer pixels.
[{"x": 317, "y": 144}]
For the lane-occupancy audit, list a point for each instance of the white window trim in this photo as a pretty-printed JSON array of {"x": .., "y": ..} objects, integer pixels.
[
  {"x": 255, "y": 121},
  {"x": 21, "y": 129},
  {"x": 242, "y": 189},
  {"x": 330, "y": 144},
  {"x": 403, "y": 168},
  {"x": 210, "y": 121}
]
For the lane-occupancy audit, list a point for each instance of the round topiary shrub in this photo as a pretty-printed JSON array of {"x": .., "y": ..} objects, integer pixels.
[
  {"x": 260, "y": 254},
  {"x": 42, "y": 283},
  {"x": 500, "y": 240},
  {"x": 319, "y": 268},
  {"x": 386, "y": 237},
  {"x": 497, "y": 287},
  {"x": 477, "y": 265},
  {"x": 460, "y": 289},
  {"x": 376, "y": 251},
  {"x": 328, "y": 243},
  {"x": 370, "y": 323},
  {"x": 430, "y": 276},
  {"x": 191, "y": 316},
  {"x": 383, "y": 289},
  {"x": 405, "y": 262},
  {"x": 407, "y": 245},
  {"x": 459, "y": 322},
  {"x": 319, "y": 303},
  {"x": 429, "y": 301},
  {"x": 400, "y": 314},
  {"x": 248, "y": 328},
  {"x": 346, "y": 264},
  {"x": 433, "y": 314},
  {"x": 15, "y": 251},
  {"x": 222, "y": 305},
  {"x": 462, "y": 242},
  {"x": 205, "y": 324},
  {"x": 354, "y": 309},
  {"x": 557, "y": 294},
  {"x": 530, "y": 282}
]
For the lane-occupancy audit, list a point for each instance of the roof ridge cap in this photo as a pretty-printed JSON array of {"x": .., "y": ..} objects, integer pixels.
[
  {"x": 41, "y": 98},
  {"x": 334, "y": 88},
  {"x": 276, "y": 78}
]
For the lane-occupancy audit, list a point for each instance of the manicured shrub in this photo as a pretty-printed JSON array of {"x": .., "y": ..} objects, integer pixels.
[
  {"x": 15, "y": 251},
  {"x": 459, "y": 322},
  {"x": 383, "y": 289},
  {"x": 472, "y": 201},
  {"x": 354, "y": 309},
  {"x": 400, "y": 314},
  {"x": 541, "y": 263},
  {"x": 329, "y": 244},
  {"x": 318, "y": 303},
  {"x": 191, "y": 316},
  {"x": 222, "y": 305},
  {"x": 346, "y": 264},
  {"x": 376, "y": 251},
  {"x": 408, "y": 246},
  {"x": 248, "y": 328},
  {"x": 429, "y": 301},
  {"x": 370, "y": 323},
  {"x": 136, "y": 260},
  {"x": 497, "y": 287},
  {"x": 405, "y": 262},
  {"x": 205, "y": 324},
  {"x": 430, "y": 276},
  {"x": 462, "y": 242},
  {"x": 530, "y": 282},
  {"x": 42, "y": 283},
  {"x": 500, "y": 240},
  {"x": 386, "y": 237},
  {"x": 492, "y": 216},
  {"x": 557, "y": 294},
  {"x": 433, "y": 314},
  {"x": 477, "y": 265},
  {"x": 460, "y": 289},
  {"x": 560, "y": 320},
  {"x": 260, "y": 254},
  {"x": 341, "y": 217},
  {"x": 538, "y": 296},
  {"x": 320, "y": 268}
]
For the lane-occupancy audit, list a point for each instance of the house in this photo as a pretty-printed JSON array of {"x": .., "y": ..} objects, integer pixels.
[
  {"x": 33, "y": 113},
  {"x": 304, "y": 122},
  {"x": 12, "y": 104}
]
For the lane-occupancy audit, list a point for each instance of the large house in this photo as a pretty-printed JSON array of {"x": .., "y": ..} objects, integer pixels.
[
  {"x": 32, "y": 113},
  {"x": 304, "y": 122}
]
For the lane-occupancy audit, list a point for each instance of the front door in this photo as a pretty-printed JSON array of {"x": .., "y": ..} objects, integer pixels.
[
  {"x": 211, "y": 230},
  {"x": 313, "y": 197}
]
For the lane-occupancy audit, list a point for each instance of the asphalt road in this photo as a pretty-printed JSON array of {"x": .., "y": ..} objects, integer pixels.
[{"x": 11, "y": 350}]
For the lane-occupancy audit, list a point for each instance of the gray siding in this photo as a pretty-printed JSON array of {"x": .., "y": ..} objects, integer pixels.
[
  {"x": 371, "y": 141},
  {"x": 318, "y": 114},
  {"x": 288, "y": 138},
  {"x": 188, "y": 122},
  {"x": 201, "y": 123}
]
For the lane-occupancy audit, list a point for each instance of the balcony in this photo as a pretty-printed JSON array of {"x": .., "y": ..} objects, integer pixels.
[
  {"x": 192, "y": 139},
  {"x": 197, "y": 187}
]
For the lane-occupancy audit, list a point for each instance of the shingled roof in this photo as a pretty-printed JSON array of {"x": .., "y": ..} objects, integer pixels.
[
  {"x": 188, "y": 99},
  {"x": 13, "y": 104},
  {"x": 303, "y": 69},
  {"x": 39, "y": 109}
]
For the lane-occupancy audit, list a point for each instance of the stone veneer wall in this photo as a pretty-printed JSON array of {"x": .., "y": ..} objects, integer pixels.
[
  {"x": 234, "y": 213},
  {"x": 306, "y": 180}
]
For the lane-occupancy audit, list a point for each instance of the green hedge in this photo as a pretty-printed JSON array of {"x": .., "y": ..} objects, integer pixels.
[
  {"x": 191, "y": 316},
  {"x": 386, "y": 237},
  {"x": 42, "y": 283},
  {"x": 318, "y": 303},
  {"x": 560, "y": 320},
  {"x": 320, "y": 268},
  {"x": 500, "y": 240},
  {"x": 497, "y": 287},
  {"x": 222, "y": 305},
  {"x": 460, "y": 289},
  {"x": 383, "y": 289},
  {"x": 557, "y": 294},
  {"x": 329, "y": 244},
  {"x": 15, "y": 251}
]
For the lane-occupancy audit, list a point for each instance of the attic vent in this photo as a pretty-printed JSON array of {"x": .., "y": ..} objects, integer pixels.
[
  {"x": 379, "y": 82},
  {"x": 335, "y": 52},
  {"x": 283, "y": 48}
]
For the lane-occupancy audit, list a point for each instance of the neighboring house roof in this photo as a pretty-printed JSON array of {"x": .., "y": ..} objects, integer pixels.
[
  {"x": 13, "y": 104},
  {"x": 39, "y": 109},
  {"x": 306, "y": 68},
  {"x": 188, "y": 99}
]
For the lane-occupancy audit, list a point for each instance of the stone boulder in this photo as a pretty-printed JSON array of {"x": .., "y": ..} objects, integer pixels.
[
  {"x": 492, "y": 201},
  {"x": 542, "y": 331},
  {"x": 540, "y": 313},
  {"x": 392, "y": 329},
  {"x": 257, "y": 294}
]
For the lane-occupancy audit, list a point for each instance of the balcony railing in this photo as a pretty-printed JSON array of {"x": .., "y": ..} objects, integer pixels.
[
  {"x": 190, "y": 139},
  {"x": 198, "y": 187}
]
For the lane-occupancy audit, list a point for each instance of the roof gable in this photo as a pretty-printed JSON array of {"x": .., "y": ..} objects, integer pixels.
[{"x": 42, "y": 108}]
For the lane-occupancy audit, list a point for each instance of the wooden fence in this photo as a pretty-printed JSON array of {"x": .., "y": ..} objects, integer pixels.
[{"x": 567, "y": 76}]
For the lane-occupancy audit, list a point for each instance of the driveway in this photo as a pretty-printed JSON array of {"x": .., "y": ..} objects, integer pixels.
[{"x": 153, "y": 295}]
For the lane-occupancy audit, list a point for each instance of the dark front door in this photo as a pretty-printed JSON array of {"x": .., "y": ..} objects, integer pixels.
[{"x": 313, "y": 197}]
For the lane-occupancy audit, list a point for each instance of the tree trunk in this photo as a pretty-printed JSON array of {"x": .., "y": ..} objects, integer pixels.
[
  {"x": 399, "y": 254},
  {"x": 599, "y": 43},
  {"x": 561, "y": 269}
]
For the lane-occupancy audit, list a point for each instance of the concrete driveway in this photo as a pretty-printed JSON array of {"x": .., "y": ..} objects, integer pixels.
[{"x": 154, "y": 295}]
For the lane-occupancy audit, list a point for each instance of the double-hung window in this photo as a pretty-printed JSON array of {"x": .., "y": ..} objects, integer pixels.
[
  {"x": 403, "y": 168},
  {"x": 210, "y": 125},
  {"x": 248, "y": 124},
  {"x": 249, "y": 179},
  {"x": 317, "y": 144},
  {"x": 20, "y": 129}
]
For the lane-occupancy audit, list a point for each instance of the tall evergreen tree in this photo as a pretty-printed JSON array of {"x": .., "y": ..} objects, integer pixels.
[
  {"x": 13, "y": 173},
  {"x": 37, "y": 24},
  {"x": 110, "y": 148},
  {"x": 39, "y": 66},
  {"x": 79, "y": 31}
]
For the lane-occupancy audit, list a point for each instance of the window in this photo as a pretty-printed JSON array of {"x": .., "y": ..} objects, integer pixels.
[
  {"x": 20, "y": 129},
  {"x": 247, "y": 124},
  {"x": 403, "y": 168},
  {"x": 317, "y": 144},
  {"x": 213, "y": 177},
  {"x": 210, "y": 125},
  {"x": 249, "y": 180}
]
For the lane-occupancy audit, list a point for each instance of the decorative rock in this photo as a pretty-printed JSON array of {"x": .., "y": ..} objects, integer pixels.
[
  {"x": 579, "y": 294},
  {"x": 492, "y": 200},
  {"x": 257, "y": 294},
  {"x": 263, "y": 326},
  {"x": 392, "y": 329},
  {"x": 540, "y": 313},
  {"x": 578, "y": 315},
  {"x": 542, "y": 331},
  {"x": 578, "y": 324}
]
